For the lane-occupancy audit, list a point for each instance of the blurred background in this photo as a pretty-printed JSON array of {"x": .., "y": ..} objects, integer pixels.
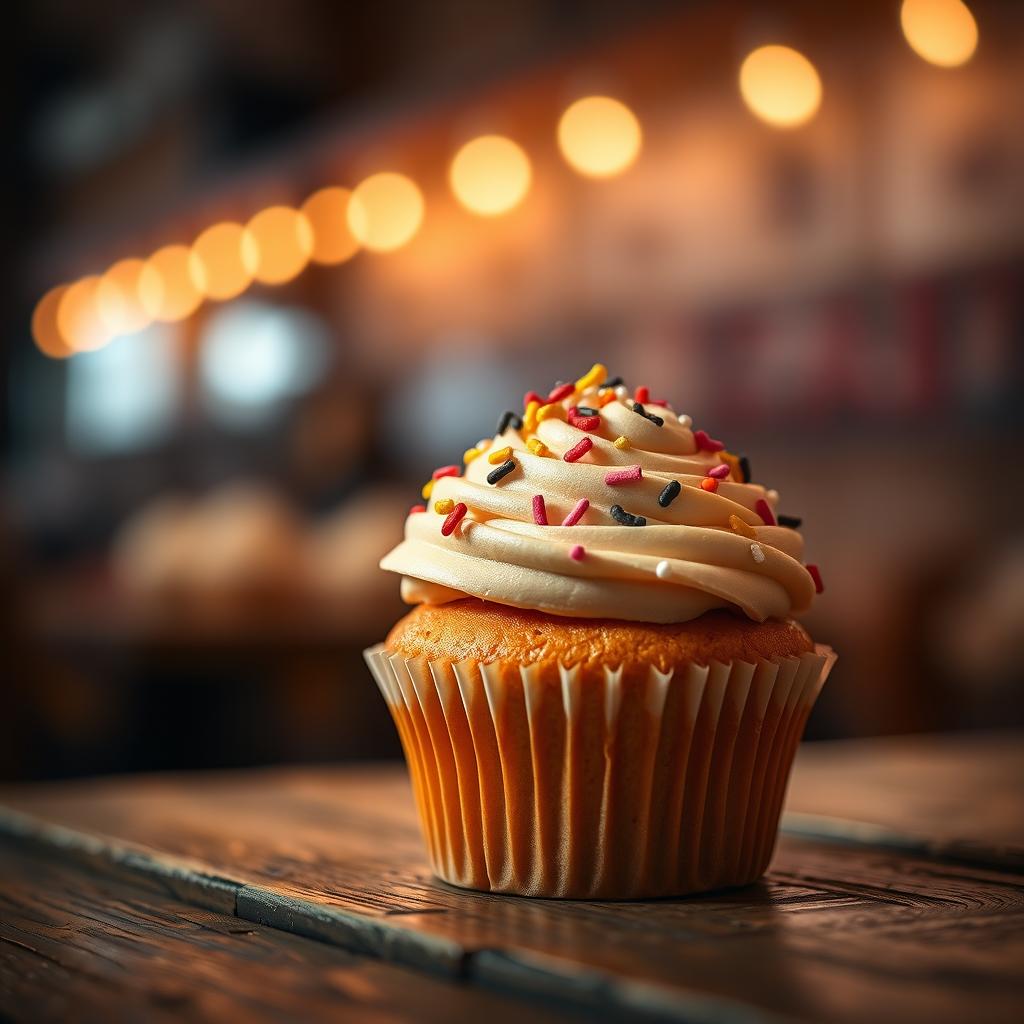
[{"x": 270, "y": 263}]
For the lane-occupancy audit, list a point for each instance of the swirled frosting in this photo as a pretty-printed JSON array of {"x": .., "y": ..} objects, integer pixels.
[{"x": 714, "y": 545}]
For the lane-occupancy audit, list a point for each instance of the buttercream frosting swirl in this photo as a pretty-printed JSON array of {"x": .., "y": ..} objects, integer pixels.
[{"x": 707, "y": 548}]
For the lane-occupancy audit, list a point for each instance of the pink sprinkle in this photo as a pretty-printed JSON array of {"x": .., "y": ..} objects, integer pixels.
[
  {"x": 540, "y": 512},
  {"x": 577, "y": 513},
  {"x": 816, "y": 576},
  {"x": 720, "y": 472},
  {"x": 705, "y": 443},
  {"x": 446, "y": 471},
  {"x": 576, "y": 552},
  {"x": 453, "y": 520},
  {"x": 578, "y": 450},
  {"x": 623, "y": 476},
  {"x": 562, "y": 391},
  {"x": 642, "y": 395},
  {"x": 764, "y": 510}
]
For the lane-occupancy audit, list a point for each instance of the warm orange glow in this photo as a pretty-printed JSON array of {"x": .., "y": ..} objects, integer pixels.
[
  {"x": 283, "y": 244},
  {"x": 490, "y": 175},
  {"x": 78, "y": 317},
  {"x": 118, "y": 298},
  {"x": 600, "y": 137},
  {"x": 943, "y": 32},
  {"x": 327, "y": 213},
  {"x": 385, "y": 211},
  {"x": 44, "y": 324},
  {"x": 780, "y": 86},
  {"x": 221, "y": 261},
  {"x": 167, "y": 287}
]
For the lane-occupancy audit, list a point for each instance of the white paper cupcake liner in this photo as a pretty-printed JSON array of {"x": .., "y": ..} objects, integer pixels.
[{"x": 590, "y": 782}]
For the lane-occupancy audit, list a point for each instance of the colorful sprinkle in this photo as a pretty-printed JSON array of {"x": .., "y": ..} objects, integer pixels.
[
  {"x": 585, "y": 410},
  {"x": 663, "y": 402},
  {"x": 530, "y": 416},
  {"x": 427, "y": 488},
  {"x": 561, "y": 392},
  {"x": 615, "y": 382},
  {"x": 537, "y": 446},
  {"x": 499, "y": 455},
  {"x": 540, "y": 512},
  {"x": 709, "y": 483},
  {"x": 417, "y": 509},
  {"x": 745, "y": 469},
  {"x": 453, "y": 520},
  {"x": 670, "y": 493},
  {"x": 588, "y": 423},
  {"x": 706, "y": 443},
  {"x": 578, "y": 450},
  {"x": 470, "y": 454},
  {"x": 622, "y": 443},
  {"x": 606, "y": 398},
  {"x": 443, "y": 506},
  {"x": 532, "y": 396},
  {"x": 764, "y": 510},
  {"x": 549, "y": 411},
  {"x": 445, "y": 471},
  {"x": 733, "y": 462},
  {"x": 742, "y": 528},
  {"x": 501, "y": 471},
  {"x": 642, "y": 395},
  {"x": 819, "y": 587},
  {"x": 792, "y": 522},
  {"x": 593, "y": 377},
  {"x": 623, "y": 476},
  {"x": 577, "y": 553},
  {"x": 509, "y": 419},
  {"x": 720, "y": 472},
  {"x": 640, "y": 410},
  {"x": 758, "y": 552},
  {"x": 663, "y": 570},
  {"x": 576, "y": 514},
  {"x": 620, "y": 515}
]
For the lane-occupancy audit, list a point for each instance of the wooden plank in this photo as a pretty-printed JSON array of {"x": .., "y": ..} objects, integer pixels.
[
  {"x": 833, "y": 932},
  {"x": 77, "y": 946}
]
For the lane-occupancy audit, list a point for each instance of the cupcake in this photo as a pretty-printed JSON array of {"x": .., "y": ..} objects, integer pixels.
[{"x": 600, "y": 689}]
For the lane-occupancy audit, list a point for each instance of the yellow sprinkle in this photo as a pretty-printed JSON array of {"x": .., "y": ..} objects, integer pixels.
[
  {"x": 500, "y": 455},
  {"x": 530, "y": 416},
  {"x": 596, "y": 375},
  {"x": 537, "y": 446},
  {"x": 622, "y": 443},
  {"x": 444, "y": 506},
  {"x": 427, "y": 488},
  {"x": 549, "y": 411},
  {"x": 741, "y": 527},
  {"x": 470, "y": 454}
]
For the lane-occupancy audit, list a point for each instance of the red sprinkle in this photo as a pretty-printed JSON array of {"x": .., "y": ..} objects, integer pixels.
[
  {"x": 719, "y": 472},
  {"x": 584, "y": 422},
  {"x": 705, "y": 443},
  {"x": 642, "y": 395},
  {"x": 816, "y": 576},
  {"x": 532, "y": 396},
  {"x": 576, "y": 552},
  {"x": 578, "y": 450},
  {"x": 446, "y": 471},
  {"x": 623, "y": 476},
  {"x": 709, "y": 483},
  {"x": 417, "y": 508},
  {"x": 453, "y": 520},
  {"x": 562, "y": 391},
  {"x": 663, "y": 402},
  {"x": 540, "y": 512},
  {"x": 764, "y": 510},
  {"x": 576, "y": 514}
]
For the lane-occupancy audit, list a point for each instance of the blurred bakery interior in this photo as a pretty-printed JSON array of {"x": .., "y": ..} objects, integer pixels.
[{"x": 268, "y": 265}]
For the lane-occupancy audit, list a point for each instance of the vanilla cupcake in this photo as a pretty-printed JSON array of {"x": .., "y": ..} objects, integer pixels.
[{"x": 601, "y": 690}]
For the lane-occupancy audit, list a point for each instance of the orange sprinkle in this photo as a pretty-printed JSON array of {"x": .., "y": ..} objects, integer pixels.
[
  {"x": 500, "y": 455},
  {"x": 709, "y": 483},
  {"x": 608, "y": 396},
  {"x": 734, "y": 465},
  {"x": 742, "y": 528}
]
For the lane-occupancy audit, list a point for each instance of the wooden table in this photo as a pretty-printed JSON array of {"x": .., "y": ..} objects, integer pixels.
[{"x": 896, "y": 893}]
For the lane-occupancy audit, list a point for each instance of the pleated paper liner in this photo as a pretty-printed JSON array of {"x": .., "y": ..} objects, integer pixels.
[{"x": 599, "y": 783}]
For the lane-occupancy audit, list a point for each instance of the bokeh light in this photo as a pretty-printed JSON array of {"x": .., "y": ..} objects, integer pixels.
[
  {"x": 78, "y": 317},
  {"x": 167, "y": 286},
  {"x": 118, "y": 298},
  {"x": 385, "y": 211},
  {"x": 222, "y": 260},
  {"x": 327, "y": 213},
  {"x": 45, "y": 332},
  {"x": 490, "y": 175},
  {"x": 599, "y": 136},
  {"x": 282, "y": 244},
  {"x": 781, "y": 86},
  {"x": 943, "y": 32}
]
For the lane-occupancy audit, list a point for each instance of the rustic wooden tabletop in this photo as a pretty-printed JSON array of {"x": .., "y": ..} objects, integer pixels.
[{"x": 896, "y": 893}]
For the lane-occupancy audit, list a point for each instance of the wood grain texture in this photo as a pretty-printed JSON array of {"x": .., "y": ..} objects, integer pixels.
[{"x": 837, "y": 932}]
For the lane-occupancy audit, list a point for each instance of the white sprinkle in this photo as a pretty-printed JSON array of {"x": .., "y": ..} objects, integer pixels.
[
  {"x": 621, "y": 392},
  {"x": 757, "y": 552},
  {"x": 663, "y": 570},
  {"x": 773, "y": 498},
  {"x": 685, "y": 421}
]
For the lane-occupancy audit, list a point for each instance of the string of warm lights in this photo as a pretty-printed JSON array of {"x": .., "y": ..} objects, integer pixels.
[{"x": 598, "y": 136}]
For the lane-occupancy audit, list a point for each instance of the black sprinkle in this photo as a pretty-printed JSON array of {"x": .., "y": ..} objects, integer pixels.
[
  {"x": 671, "y": 492},
  {"x": 793, "y": 522},
  {"x": 620, "y": 515},
  {"x": 613, "y": 383},
  {"x": 585, "y": 410},
  {"x": 656, "y": 420},
  {"x": 745, "y": 468},
  {"x": 509, "y": 419},
  {"x": 503, "y": 470}
]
